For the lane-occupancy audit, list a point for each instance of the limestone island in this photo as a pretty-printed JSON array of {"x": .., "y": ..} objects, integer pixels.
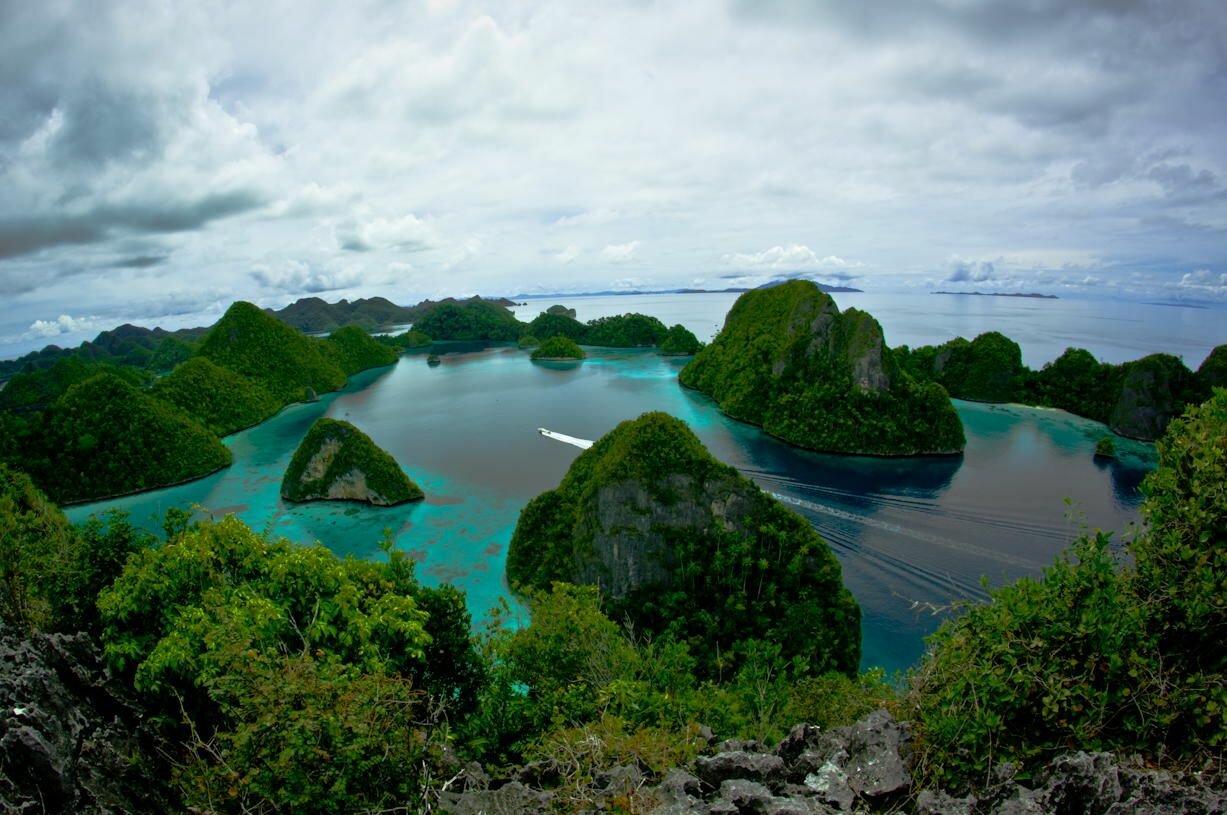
[
  {"x": 563, "y": 310},
  {"x": 338, "y": 462},
  {"x": 678, "y": 541},
  {"x": 789, "y": 361},
  {"x": 558, "y": 349}
]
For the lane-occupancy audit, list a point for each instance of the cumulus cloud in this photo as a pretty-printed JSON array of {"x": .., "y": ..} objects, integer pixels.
[
  {"x": 296, "y": 276},
  {"x": 793, "y": 257},
  {"x": 64, "y": 324},
  {"x": 1204, "y": 281},
  {"x": 620, "y": 252}
]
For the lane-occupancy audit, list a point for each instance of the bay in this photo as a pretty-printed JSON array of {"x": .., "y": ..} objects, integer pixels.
[{"x": 912, "y": 535}]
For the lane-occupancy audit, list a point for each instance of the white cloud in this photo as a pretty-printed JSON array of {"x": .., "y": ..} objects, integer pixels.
[
  {"x": 64, "y": 324},
  {"x": 792, "y": 258},
  {"x": 408, "y": 233},
  {"x": 971, "y": 271},
  {"x": 297, "y": 276},
  {"x": 595, "y": 217},
  {"x": 568, "y": 254},
  {"x": 620, "y": 252},
  {"x": 1204, "y": 281}
]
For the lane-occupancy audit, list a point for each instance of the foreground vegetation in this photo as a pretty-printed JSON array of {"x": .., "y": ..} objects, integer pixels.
[{"x": 283, "y": 678}]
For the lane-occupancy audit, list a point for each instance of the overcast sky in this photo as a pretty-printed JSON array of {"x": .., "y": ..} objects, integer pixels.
[{"x": 159, "y": 160}]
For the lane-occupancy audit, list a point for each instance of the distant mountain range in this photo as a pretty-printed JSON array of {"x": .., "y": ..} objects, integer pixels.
[
  {"x": 1031, "y": 295},
  {"x": 313, "y": 315}
]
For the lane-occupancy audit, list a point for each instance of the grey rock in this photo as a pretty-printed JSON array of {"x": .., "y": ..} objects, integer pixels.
[
  {"x": 71, "y": 738},
  {"x": 876, "y": 754},
  {"x": 619, "y": 779},
  {"x": 539, "y": 774},
  {"x": 801, "y": 738},
  {"x": 747, "y": 796},
  {"x": 829, "y": 784},
  {"x": 929, "y": 802},
  {"x": 706, "y": 734},
  {"x": 741, "y": 745},
  {"x": 678, "y": 794},
  {"x": 721, "y": 807},
  {"x": 510, "y": 799},
  {"x": 714, "y": 770}
]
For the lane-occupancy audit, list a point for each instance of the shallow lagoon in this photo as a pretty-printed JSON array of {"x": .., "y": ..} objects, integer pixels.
[{"x": 906, "y": 531}]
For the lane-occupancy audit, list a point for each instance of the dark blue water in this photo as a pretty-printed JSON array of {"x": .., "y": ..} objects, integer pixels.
[{"x": 908, "y": 532}]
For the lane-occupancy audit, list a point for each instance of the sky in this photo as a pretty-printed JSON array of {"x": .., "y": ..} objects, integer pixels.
[{"x": 159, "y": 160}]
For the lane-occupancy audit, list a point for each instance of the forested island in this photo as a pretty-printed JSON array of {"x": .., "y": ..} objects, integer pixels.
[
  {"x": 336, "y": 461},
  {"x": 1136, "y": 399},
  {"x": 789, "y": 361}
]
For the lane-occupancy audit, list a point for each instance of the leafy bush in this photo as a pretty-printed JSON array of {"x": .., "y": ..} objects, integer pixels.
[
  {"x": 529, "y": 341},
  {"x": 1106, "y": 447},
  {"x": 548, "y": 325},
  {"x": 1097, "y": 654},
  {"x": 408, "y": 341},
  {"x": 35, "y": 390},
  {"x": 987, "y": 369}
]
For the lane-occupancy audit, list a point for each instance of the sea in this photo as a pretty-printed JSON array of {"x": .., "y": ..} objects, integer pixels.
[{"x": 917, "y": 538}]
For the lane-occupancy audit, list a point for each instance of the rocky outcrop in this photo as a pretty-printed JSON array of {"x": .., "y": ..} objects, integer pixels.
[
  {"x": 338, "y": 462},
  {"x": 71, "y": 739},
  {"x": 862, "y": 768},
  {"x": 1155, "y": 390},
  {"x": 787, "y": 359}
]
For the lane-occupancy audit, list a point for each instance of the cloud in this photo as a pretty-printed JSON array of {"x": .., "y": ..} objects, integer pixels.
[
  {"x": 595, "y": 217},
  {"x": 567, "y": 254},
  {"x": 620, "y": 252},
  {"x": 791, "y": 258},
  {"x": 1205, "y": 282},
  {"x": 64, "y": 324},
  {"x": 408, "y": 233},
  {"x": 973, "y": 271},
  {"x": 301, "y": 277}
]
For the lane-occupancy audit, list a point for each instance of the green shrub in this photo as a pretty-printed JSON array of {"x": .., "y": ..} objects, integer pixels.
[
  {"x": 218, "y": 398},
  {"x": 558, "y": 347},
  {"x": 679, "y": 341}
]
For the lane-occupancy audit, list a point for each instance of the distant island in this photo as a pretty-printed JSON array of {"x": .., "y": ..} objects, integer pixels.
[
  {"x": 1031, "y": 295},
  {"x": 732, "y": 290}
]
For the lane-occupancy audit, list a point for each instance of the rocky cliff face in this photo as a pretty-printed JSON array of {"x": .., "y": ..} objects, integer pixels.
[
  {"x": 863, "y": 768},
  {"x": 71, "y": 740},
  {"x": 338, "y": 462}
]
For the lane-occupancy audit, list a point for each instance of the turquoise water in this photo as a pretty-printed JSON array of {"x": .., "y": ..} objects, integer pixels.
[{"x": 906, "y": 531}]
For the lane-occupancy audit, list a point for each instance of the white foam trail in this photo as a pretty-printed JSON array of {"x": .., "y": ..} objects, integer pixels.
[{"x": 582, "y": 444}]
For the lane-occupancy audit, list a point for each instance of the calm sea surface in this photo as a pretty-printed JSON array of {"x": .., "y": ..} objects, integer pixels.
[{"x": 908, "y": 532}]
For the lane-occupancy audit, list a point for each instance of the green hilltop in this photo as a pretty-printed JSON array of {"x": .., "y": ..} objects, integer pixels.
[
  {"x": 681, "y": 544},
  {"x": 220, "y": 399},
  {"x": 789, "y": 361}
]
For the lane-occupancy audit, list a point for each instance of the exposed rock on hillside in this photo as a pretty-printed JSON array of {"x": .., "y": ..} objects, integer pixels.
[
  {"x": 680, "y": 539},
  {"x": 788, "y": 360},
  {"x": 70, "y": 738},
  {"x": 863, "y": 768},
  {"x": 338, "y": 462}
]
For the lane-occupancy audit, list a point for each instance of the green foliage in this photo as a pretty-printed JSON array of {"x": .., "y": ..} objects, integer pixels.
[
  {"x": 1078, "y": 383},
  {"x": 679, "y": 341},
  {"x": 1181, "y": 569},
  {"x": 1212, "y": 373},
  {"x": 170, "y": 352},
  {"x": 987, "y": 369},
  {"x": 1106, "y": 447},
  {"x": 270, "y": 353},
  {"x": 1097, "y": 654},
  {"x": 529, "y": 341},
  {"x": 549, "y": 325},
  {"x": 471, "y": 320},
  {"x": 558, "y": 347},
  {"x": 104, "y": 437},
  {"x": 218, "y": 398},
  {"x": 563, "y": 310},
  {"x": 408, "y": 341},
  {"x": 355, "y": 350},
  {"x": 1154, "y": 390},
  {"x": 50, "y": 572},
  {"x": 625, "y": 331},
  {"x": 761, "y": 573},
  {"x": 36, "y": 390},
  {"x": 301, "y": 676},
  {"x": 342, "y": 449},
  {"x": 789, "y": 361},
  {"x": 837, "y": 700}
]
